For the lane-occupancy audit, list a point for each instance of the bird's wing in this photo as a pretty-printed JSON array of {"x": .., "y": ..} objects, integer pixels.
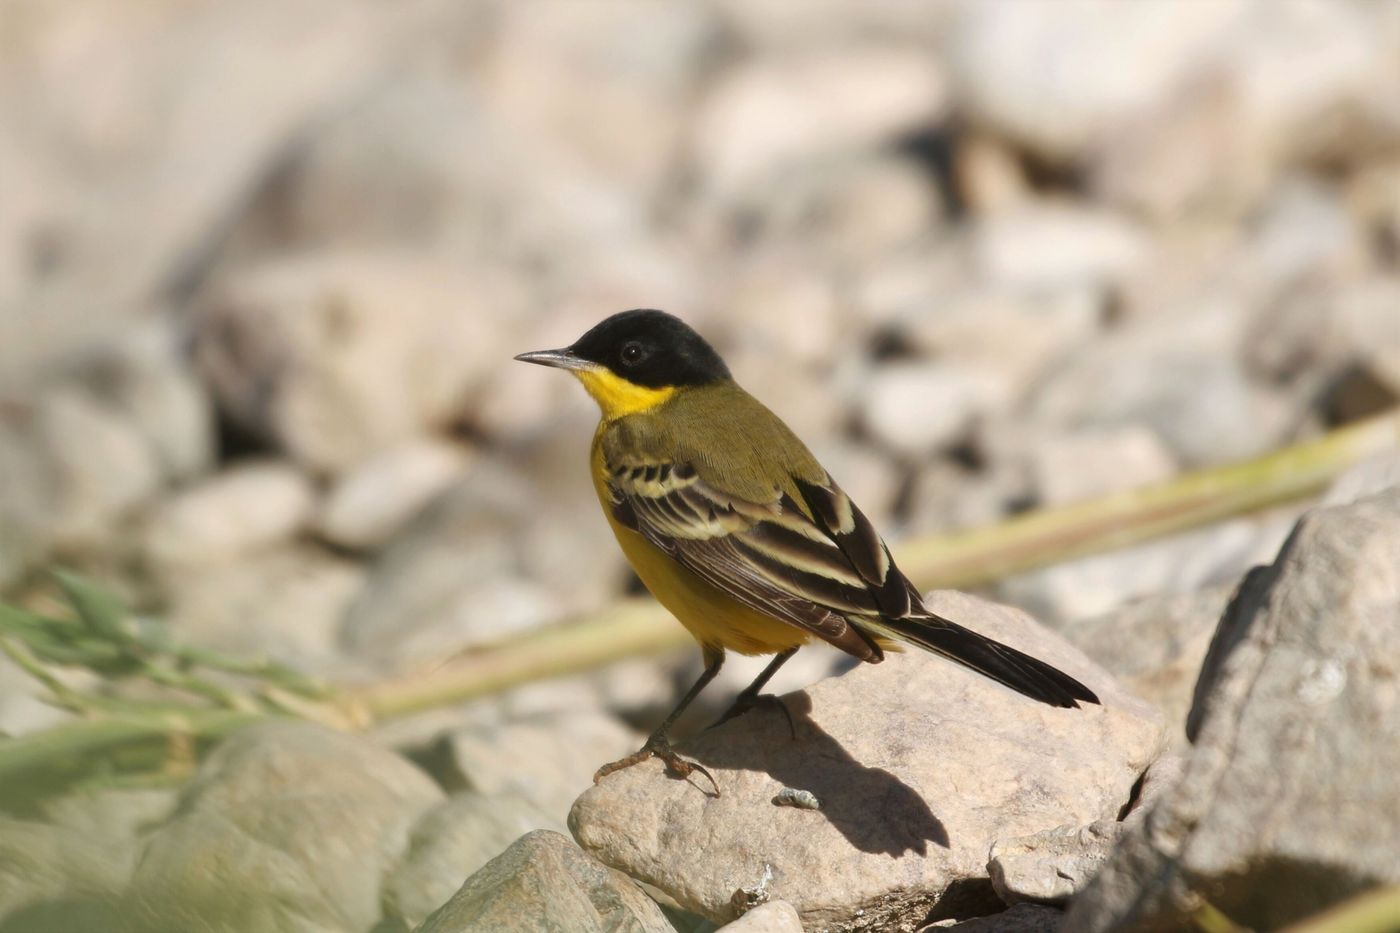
[{"x": 816, "y": 564}]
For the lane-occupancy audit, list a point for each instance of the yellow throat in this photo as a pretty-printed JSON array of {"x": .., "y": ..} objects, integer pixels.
[{"x": 617, "y": 397}]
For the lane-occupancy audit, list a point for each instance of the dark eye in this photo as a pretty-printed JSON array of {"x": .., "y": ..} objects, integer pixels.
[{"x": 633, "y": 353}]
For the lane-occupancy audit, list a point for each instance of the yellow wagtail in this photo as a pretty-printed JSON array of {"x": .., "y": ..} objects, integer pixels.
[{"x": 737, "y": 529}]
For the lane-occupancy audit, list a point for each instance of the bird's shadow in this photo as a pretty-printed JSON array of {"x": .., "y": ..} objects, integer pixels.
[{"x": 876, "y": 811}]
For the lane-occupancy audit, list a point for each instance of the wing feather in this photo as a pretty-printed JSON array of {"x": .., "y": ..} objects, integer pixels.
[{"x": 769, "y": 556}]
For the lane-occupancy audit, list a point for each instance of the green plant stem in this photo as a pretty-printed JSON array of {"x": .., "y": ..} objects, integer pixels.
[
  {"x": 1373, "y": 912},
  {"x": 1055, "y": 535},
  {"x": 963, "y": 559},
  {"x": 72, "y": 748}
]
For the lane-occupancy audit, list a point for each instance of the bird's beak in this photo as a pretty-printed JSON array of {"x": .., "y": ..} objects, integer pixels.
[{"x": 561, "y": 359}]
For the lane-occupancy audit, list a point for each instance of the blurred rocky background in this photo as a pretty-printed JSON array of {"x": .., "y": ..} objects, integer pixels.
[{"x": 263, "y": 266}]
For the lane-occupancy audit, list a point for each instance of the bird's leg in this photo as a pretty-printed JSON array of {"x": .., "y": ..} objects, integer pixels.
[
  {"x": 750, "y": 697},
  {"x": 658, "y": 745}
]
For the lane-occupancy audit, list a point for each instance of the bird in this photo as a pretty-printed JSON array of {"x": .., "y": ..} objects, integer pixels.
[{"x": 736, "y": 528}]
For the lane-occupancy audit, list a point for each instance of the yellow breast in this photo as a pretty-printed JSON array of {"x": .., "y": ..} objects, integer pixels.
[{"x": 711, "y": 616}]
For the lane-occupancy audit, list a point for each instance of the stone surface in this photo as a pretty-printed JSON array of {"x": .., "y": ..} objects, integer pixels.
[
  {"x": 53, "y": 874},
  {"x": 1048, "y": 246},
  {"x": 63, "y": 869},
  {"x": 98, "y": 465},
  {"x": 920, "y": 766},
  {"x": 1155, "y": 646},
  {"x": 148, "y": 379},
  {"x": 1178, "y": 378},
  {"x": 287, "y": 826},
  {"x": 913, "y": 409},
  {"x": 515, "y": 539},
  {"x": 1050, "y": 866},
  {"x": 375, "y": 500},
  {"x": 1182, "y": 563},
  {"x": 547, "y": 759},
  {"x": 769, "y": 917},
  {"x": 544, "y": 882},
  {"x": 450, "y": 842},
  {"x": 1022, "y": 918},
  {"x": 762, "y": 117},
  {"x": 240, "y": 510},
  {"x": 286, "y": 602},
  {"x": 333, "y": 356},
  {"x": 1277, "y": 814},
  {"x": 998, "y": 54},
  {"x": 1095, "y": 462}
]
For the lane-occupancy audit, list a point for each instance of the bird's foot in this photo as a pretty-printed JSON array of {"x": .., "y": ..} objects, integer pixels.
[
  {"x": 659, "y": 747},
  {"x": 749, "y": 701}
]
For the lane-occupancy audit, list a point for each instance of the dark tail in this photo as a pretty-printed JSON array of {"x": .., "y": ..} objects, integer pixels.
[{"x": 1004, "y": 664}]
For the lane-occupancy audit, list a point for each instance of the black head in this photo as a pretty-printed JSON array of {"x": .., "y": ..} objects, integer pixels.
[{"x": 645, "y": 347}]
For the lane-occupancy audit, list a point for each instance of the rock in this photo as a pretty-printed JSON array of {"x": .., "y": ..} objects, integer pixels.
[
  {"x": 998, "y": 53},
  {"x": 1050, "y": 866},
  {"x": 1182, "y": 563},
  {"x": 422, "y": 159},
  {"x": 99, "y": 465},
  {"x": 1054, "y": 245},
  {"x": 286, "y": 602},
  {"x": 145, "y": 377},
  {"x": 1300, "y": 84},
  {"x": 1094, "y": 462},
  {"x": 1369, "y": 476},
  {"x": 913, "y": 409},
  {"x": 919, "y": 767},
  {"x": 146, "y": 148},
  {"x": 64, "y": 873},
  {"x": 763, "y": 116},
  {"x": 1317, "y": 339},
  {"x": 1177, "y": 376},
  {"x": 27, "y": 493},
  {"x": 53, "y": 878},
  {"x": 515, "y": 543},
  {"x": 779, "y": 310},
  {"x": 450, "y": 842},
  {"x": 334, "y": 356},
  {"x": 769, "y": 917},
  {"x": 1012, "y": 334},
  {"x": 1155, "y": 646},
  {"x": 1022, "y": 918},
  {"x": 287, "y": 826},
  {"x": 610, "y": 83},
  {"x": 245, "y": 508},
  {"x": 947, "y": 495},
  {"x": 1276, "y": 815},
  {"x": 847, "y": 210},
  {"x": 548, "y": 759},
  {"x": 372, "y": 502},
  {"x": 543, "y": 882}
]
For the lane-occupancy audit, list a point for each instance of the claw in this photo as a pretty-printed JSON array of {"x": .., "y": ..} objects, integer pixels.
[{"x": 660, "y": 748}]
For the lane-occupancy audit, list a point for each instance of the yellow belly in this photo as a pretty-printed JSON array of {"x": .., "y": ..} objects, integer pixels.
[{"x": 712, "y": 617}]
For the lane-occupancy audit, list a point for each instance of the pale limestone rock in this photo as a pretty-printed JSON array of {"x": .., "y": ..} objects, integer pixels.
[
  {"x": 333, "y": 356},
  {"x": 920, "y": 765},
  {"x": 765, "y": 115},
  {"x": 1280, "y": 808},
  {"x": 245, "y": 508},
  {"x": 450, "y": 842},
  {"x": 372, "y": 502},
  {"x": 768, "y": 917},
  {"x": 287, "y": 826},
  {"x": 544, "y": 882}
]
